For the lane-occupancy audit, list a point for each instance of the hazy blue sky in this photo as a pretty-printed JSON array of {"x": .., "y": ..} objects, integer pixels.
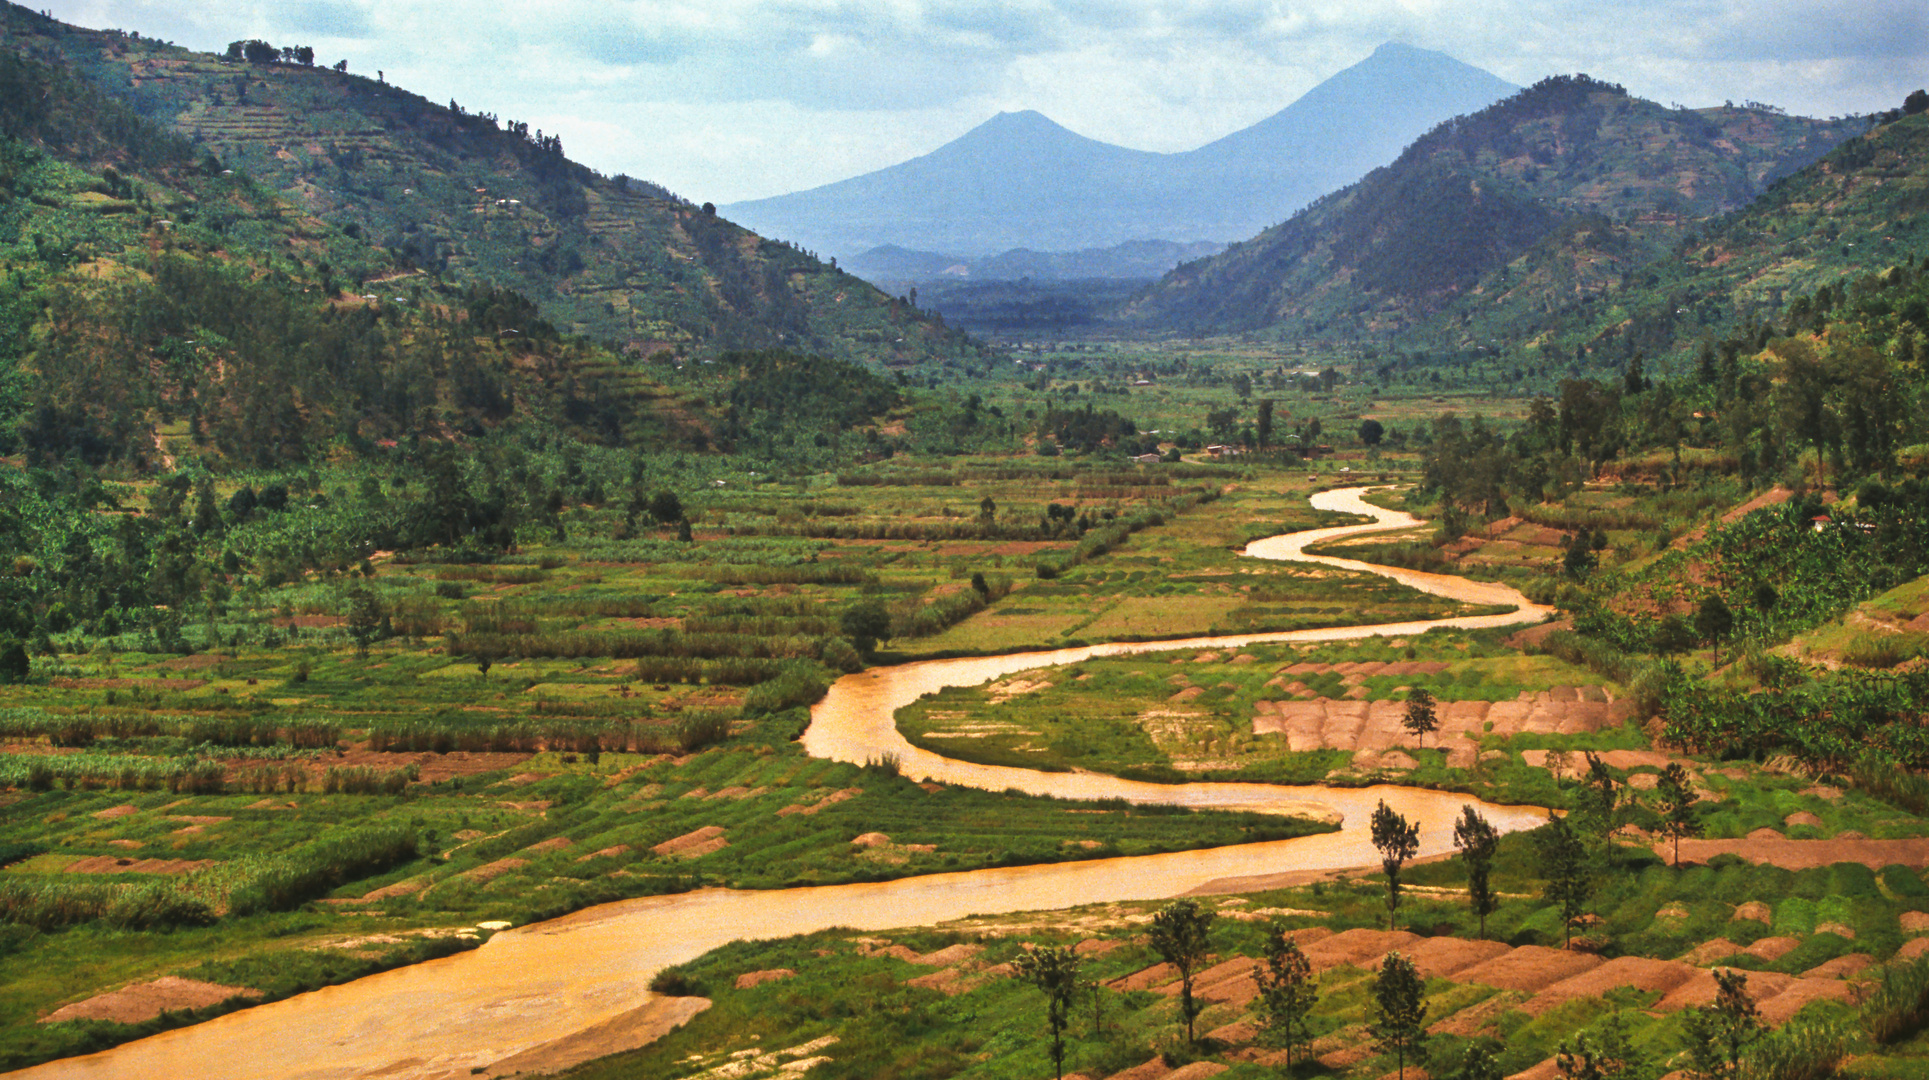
[{"x": 733, "y": 99}]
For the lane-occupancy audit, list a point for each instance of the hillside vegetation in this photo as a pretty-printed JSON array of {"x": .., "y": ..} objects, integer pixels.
[
  {"x": 479, "y": 199},
  {"x": 1571, "y": 183}
]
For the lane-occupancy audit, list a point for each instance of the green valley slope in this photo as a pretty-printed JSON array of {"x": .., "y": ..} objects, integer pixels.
[
  {"x": 1572, "y": 179},
  {"x": 482, "y": 200}
]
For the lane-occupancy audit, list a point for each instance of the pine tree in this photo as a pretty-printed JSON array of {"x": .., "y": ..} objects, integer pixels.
[
  {"x": 1398, "y": 1018},
  {"x": 1564, "y": 864},
  {"x": 1676, "y": 799},
  {"x": 1478, "y": 841},
  {"x": 1287, "y": 993},
  {"x": 1398, "y": 841}
]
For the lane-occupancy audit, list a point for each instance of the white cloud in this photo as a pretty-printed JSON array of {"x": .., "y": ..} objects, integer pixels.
[{"x": 732, "y": 99}]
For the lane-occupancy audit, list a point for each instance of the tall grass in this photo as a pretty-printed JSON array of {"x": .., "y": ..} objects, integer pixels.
[
  {"x": 1801, "y": 1051},
  {"x": 1901, "y": 788},
  {"x": 1899, "y": 1008},
  {"x": 50, "y": 904},
  {"x": 280, "y": 882}
]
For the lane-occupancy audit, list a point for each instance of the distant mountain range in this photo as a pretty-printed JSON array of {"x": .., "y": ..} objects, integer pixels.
[
  {"x": 1137, "y": 260},
  {"x": 1488, "y": 225},
  {"x": 1020, "y": 180}
]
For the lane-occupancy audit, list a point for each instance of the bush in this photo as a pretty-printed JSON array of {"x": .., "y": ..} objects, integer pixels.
[{"x": 1899, "y": 1008}]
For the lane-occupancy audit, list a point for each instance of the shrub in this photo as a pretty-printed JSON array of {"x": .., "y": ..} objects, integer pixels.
[{"x": 1899, "y": 1008}]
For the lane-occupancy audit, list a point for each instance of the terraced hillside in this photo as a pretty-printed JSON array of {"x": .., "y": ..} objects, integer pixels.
[{"x": 482, "y": 199}]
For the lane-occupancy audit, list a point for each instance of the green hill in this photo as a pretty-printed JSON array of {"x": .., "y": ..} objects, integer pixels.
[
  {"x": 1546, "y": 198},
  {"x": 155, "y": 304},
  {"x": 1861, "y": 209},
  {"x": 481, "y": 199}
]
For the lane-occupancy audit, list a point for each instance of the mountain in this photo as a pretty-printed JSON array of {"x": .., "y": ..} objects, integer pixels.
[
  {"x": 1569, "y": 185},
  {"x": 890, "y": 267},
  {"x": 1020, "y": 180},
  {"x": 1787, "y": 256},
  {"x": 480, "y": 199}
]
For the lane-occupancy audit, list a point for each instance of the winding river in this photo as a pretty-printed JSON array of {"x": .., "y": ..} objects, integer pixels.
[{"x": 548, "y": 995}]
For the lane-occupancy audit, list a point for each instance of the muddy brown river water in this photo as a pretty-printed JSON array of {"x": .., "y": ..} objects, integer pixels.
[{"x": 548, "y": 995}]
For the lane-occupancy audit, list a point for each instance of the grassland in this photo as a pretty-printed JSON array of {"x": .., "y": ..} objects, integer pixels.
[
  {"x": 939, "y": 1001},
  {"x": 1191, "y": 716},
  {"x": 609, "y": 713}
]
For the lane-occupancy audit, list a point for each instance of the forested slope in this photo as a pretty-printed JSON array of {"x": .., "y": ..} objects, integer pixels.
[
  {"x": 483, "y": 200},
  {"x": 1560, "y": 190}
]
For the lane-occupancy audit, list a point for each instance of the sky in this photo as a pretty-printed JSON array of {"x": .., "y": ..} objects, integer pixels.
[{"x": 725, "y": 100}]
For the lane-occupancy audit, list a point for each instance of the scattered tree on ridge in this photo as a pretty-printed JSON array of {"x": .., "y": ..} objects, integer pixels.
[
  {"x": 1478, "y": 840},
  {"x": 1675, "y": 799},
  {"x": 1397, "y": 1018},
  {"x": 1421, "y": 716},
  {"x": 1178, "y": 935},
  {"x": 1398, "y": 841},
  {"x": 1564, "y": 864},
  {"x": 1053, "y": 969},
  {"x": 1287, "y": 993}
]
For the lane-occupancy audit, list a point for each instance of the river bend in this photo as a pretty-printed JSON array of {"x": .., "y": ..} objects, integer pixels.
[{"x": 550, "y": 994}]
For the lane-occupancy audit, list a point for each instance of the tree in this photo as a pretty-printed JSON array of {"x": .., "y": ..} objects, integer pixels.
[
  {"x": 1397, "y": 1019},
  {"x": 665, "y": 507},
  {"x": 1719, "y": 1033},
  {"x": 1564, "y": 864},
  {"x": 1675, "y": 798},
  {"x": 1479, "y": 1064},
  {"x": 1397, "y": 841},
  {"x": 1421, "y": 716},
  {"x": 14, "y": 664},
  {"x": 364, "y": 618},
  {"x": 1598, "y": 798},
  {"x": 1264, "y": 436},
  {"x": 1287, "y": 993},
  {"x": 1371, "y": 432},
  {"x": 1713, "y": 621},
  {"x": 1602, "y": 1054},
  {"x": 1916, "y": 102},
  {"x": 867, "y": 624},
  {"x": 1179, "y": 936},
  {"x": 1478, "y": 841},
  {"x": 1053, "y": 969}
]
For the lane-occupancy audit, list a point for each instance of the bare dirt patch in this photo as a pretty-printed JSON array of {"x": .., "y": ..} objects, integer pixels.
[
  {"x": 129, "y": 684},
  {"x": 145, "y": 1001},
  {"x": 110, "y": 864},
  {"x": 1765, "y": 847},
  {"x": 1356, "y": 725},
  {"x": 117, "y": 811},
  {"x": 491, "y": 871},
  {"x": 1532, "y": 968},
  {"x": 691, "y": 845},
  {"x": 757, "y": 978},
  {"x": 821, "y": 802},
  {"x": 1443, "y": 957},
  {"x": 1657, "y": 976}
]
